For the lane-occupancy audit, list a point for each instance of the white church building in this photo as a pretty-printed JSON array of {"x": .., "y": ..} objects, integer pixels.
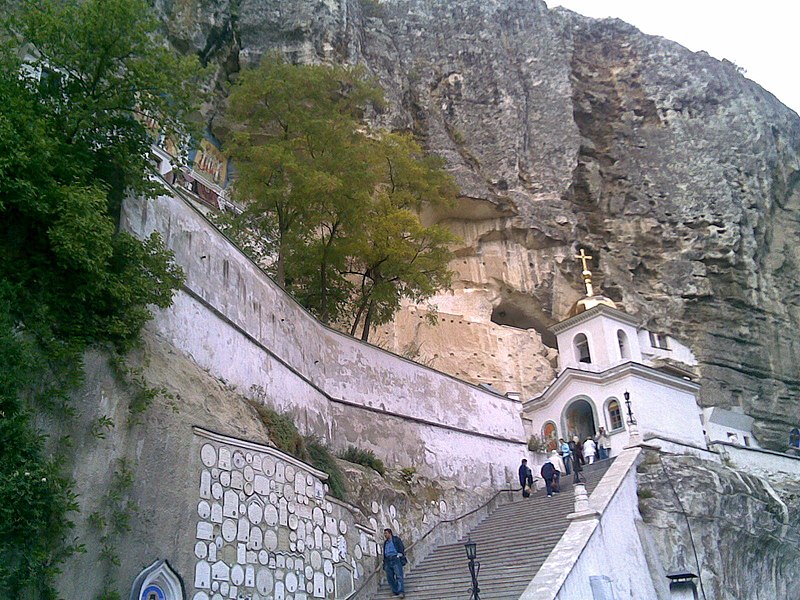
[{"x": 619, "y": 376}]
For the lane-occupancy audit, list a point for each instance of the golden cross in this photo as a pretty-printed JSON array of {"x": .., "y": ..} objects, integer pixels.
[{"x": 583, "y": 257}]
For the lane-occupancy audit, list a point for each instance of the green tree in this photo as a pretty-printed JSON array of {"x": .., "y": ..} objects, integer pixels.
[
  {"x": 108, "y": 79},
  {"x": 295, "y": 135},
  {"x": 394, "y": 255},
  {"x": 82, "y": 83},
  {"x": 323, "y": 195}
]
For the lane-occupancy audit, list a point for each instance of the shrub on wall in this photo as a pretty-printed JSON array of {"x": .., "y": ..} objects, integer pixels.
[
  {"x": 284, "y": 435},
  {"x": 282, "y": 432},
  {"x": 537, "y": 444},
  {"x": 323, "y": 459},
  {"x": 367, "y": 458}
]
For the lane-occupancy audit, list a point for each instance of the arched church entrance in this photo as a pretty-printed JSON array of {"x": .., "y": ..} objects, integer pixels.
[{"x": 579, "y": 420}]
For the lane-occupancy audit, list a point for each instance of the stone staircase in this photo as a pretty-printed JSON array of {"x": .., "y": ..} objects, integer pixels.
[{"x": 513, "y": 543}]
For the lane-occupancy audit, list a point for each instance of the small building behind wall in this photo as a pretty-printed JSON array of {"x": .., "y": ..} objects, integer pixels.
[{"x": 730, "y": 426}]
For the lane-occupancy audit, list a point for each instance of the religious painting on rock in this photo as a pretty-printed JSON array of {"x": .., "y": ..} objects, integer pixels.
[
  {"x": 550, "y": 436},
  {"x": 209, "y": 162}
]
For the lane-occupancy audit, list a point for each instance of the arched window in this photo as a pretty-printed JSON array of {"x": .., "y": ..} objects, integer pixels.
[
  {"x": 794, "y": 438},
  {"x": 550, "y": 435},
  {"x": 614, "y": 415},
  {"x": 624, "y": 349},
  {"x": 582, "y": 349}
]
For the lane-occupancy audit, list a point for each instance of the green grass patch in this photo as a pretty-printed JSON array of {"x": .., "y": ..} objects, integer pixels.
[
  {"x": 363, "y": 457},
  {"x": 286, "y": 437}
]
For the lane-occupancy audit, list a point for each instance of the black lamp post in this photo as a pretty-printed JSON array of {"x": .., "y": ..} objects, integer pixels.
[
  {"x": 681, "y": 585},
  {"x": 631, "y": 420},
  {"x": 474, "y": 567}
]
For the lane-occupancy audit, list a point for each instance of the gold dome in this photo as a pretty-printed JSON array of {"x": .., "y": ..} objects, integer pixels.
[{"x": 588, "y": 302}]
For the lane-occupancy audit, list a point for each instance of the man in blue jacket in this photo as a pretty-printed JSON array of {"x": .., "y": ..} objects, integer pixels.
[
  {"x": 548, "y": 473},
  {"x": 525, "y": 478},
  {"x": 394, "y": 559},
  {"x": 565, "y": 454}
]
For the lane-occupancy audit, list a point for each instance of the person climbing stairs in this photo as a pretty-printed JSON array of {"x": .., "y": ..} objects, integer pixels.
[{"x": 512, "y": 544}]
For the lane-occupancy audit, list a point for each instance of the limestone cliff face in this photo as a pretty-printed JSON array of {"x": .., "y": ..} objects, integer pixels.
[
  {"x": 735, "y": 530},
  {"x": 678, "y": 174}
]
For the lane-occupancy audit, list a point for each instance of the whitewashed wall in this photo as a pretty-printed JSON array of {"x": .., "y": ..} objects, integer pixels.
[
  {"x": 677, "y": 351},
  {"x": 237, "y": 323},
  {"x": 773, "y": 466},
  {"x": 594, "y": 542},
  {"x": 615, "y": 536}
]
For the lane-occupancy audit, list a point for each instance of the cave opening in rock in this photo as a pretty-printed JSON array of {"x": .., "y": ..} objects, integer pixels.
[{"x": 522, "y": 314}]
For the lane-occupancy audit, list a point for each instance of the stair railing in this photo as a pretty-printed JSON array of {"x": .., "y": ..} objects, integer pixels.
[{"x": 417, "y": 551}]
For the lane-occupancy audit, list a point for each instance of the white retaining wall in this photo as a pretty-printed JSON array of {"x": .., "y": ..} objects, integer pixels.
[
  {"x": 773, "y": 466},
  {"x": 232, "y": 320},
  {"x": 591, "y": 546}
]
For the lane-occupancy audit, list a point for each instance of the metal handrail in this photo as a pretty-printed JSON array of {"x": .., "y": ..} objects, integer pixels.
[{"x": 411, "y": 547}]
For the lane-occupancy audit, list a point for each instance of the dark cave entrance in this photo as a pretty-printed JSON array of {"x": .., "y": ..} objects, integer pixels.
[{"x": 521, "y": 312}]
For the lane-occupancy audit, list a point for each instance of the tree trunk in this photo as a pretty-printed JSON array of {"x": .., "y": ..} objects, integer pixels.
[
  {"x": 368, "y": 322},
  {"x": 357, "y": 319},
  {"x": 323, "y": 289},
  {"x": 280, "y": 269}
]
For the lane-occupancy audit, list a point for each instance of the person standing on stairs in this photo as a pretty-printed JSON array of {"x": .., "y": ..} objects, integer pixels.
[
  {"x": 394, "y": 559},
  {"x": 558, "y": 464},
  {"x": 565, "y": 454},
  {"x": 577, "y": 450},
  {"x": 589, "y": 450},
  {"x": 525, "y": 478},
  {"x": 603, "y": 444},
  {"x": 548, "y": 473},
  {"x": 576, "y": 469}
]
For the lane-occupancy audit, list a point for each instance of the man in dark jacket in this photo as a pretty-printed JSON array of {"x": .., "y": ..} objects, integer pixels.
[
  {"x": 525, "y": 477},
  {"x": 548, "y": 473},
  {"x": 394, "y": 559}
]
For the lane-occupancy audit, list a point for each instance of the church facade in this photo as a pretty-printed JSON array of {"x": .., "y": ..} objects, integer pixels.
[{"x": 614, "y": 374}]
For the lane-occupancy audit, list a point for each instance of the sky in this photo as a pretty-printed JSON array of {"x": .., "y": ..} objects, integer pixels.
[{"x": 760, "y": 36}]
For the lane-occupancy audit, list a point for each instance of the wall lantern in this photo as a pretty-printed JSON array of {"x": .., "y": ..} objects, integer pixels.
[{"x": 631, "y": 420}]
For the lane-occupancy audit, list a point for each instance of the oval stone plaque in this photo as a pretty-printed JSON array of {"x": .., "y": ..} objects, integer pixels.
[
  {"x": 271, "y": 515},
  {"x": 208, "y": 454},
  {"x": 228, "y": 530}
]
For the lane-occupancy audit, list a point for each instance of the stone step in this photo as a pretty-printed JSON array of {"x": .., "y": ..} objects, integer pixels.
[{"x": 513, "y": 543}]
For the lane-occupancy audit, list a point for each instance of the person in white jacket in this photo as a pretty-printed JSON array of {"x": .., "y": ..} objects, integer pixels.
[
  {"x": 589, "y": 448},
  {"x": 558, "y": 463}
]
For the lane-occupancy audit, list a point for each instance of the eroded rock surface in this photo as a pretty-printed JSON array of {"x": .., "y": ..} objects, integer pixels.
[
  {"x": 735, "y": 530},
  {"x": 677, "y": 173}
]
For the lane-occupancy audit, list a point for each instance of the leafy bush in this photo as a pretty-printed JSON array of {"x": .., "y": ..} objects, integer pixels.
[
  {"x": 367, "y": 458},
  {"x": 408, "y": 474},
  {"x": 323, "y": 459},
  {"x": 37, "y": 501},
  {"x": 283, "y": 432}
]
